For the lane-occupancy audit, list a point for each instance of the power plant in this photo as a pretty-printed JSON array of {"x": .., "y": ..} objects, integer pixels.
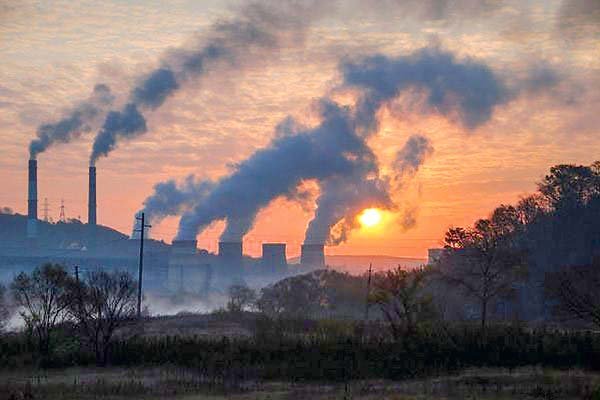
[{"x": 178, "y": 268}]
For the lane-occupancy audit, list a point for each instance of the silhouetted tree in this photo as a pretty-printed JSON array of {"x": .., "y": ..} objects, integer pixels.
[
  {"x": 271, "y": 301},
  {"x": 4, "y": 308},
  {"x": 43, "y": 298},
  {"x": 103, "y": 301},
  {"x": 571, "y": 186},
  {"x": 401, "y": 298},
  {"x": 485, "y": 261},
  {"x": 576, "y": 291},
  {"x": 240, "y": 298}
]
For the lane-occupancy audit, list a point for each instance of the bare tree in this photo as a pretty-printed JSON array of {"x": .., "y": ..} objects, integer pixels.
[
  {"x": 43, "y": 298},
  {"x": 485, "y": 261},
  {"x": 240, "y": 298},
  {"x": 401, "y": 298},
  {"x": 4, "y": 308},
  {"x": 576, "y": 291},
  {"x": 103, "y": 302}
]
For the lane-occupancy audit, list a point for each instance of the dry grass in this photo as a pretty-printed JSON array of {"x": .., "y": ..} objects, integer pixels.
[{"x": 177, "y": 383}]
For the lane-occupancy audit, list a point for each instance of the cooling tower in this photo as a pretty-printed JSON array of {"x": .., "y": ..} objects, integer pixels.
[
  {"x": 230, "y": 251},
  {"x": 92, "y": 197},
  {"x": 273, "y": 255},
  {"x": 313, "y": 255},
  {"x": 32, "y": 201}
]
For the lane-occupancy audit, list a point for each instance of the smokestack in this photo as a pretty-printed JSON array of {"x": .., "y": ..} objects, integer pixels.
[
  {"x": 32, "y": 201},
  {"x": 92, "y": 197},
  {"x": 313, "y": 255},
  {"x": 273, "y": 255}
]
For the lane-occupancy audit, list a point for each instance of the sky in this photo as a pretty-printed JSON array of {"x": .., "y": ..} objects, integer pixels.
[{"x": 54, "y": 53}]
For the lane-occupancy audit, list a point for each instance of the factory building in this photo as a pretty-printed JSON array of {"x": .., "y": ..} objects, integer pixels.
[{"x": 187, "y": 272}]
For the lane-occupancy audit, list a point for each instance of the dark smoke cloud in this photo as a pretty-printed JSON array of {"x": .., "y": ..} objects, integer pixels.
[
  {"x": 129, "y": 122},
  {"x": 466, "y": 91},
  {"x": 258, "y": 31},
  {"x": 330, "y": 149},
  {"x": 411, "y": 156},
  {"x": 343, "y": 199},
  {"x": 80, "y": 119},
  {"x": 171, "y": 198},
  {"x": 335, "y": 152},
  {"x": 340, "y": 202},
  {"x": 155, "y": 89}
]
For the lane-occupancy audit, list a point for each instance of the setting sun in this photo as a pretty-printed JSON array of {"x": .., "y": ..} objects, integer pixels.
[{"x": 370, "y": 217}]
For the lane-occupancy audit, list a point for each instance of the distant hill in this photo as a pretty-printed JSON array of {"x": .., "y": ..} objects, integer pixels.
[
  {"x": 360, "y": 263},
  {"x": 68, "y": 236}
]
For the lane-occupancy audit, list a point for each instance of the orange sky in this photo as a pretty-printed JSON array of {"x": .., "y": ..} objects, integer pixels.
[{"x": 52, "y": 55}]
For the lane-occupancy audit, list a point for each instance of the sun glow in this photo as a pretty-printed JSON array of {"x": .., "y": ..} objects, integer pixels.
[{"x": 370, "y": 217}]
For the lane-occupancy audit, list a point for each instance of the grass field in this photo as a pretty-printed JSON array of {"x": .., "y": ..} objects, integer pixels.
[{"x": 180, "y": 384}]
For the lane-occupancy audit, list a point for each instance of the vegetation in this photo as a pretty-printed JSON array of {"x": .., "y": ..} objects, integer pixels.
[
  {"x": 99, "y": 305},
  {"x": 241, "y": 297},
  {"x": 44, "y": 299},
  {"x": 541, "y": 254},
  {"x": 4, "y": 308},
  {"x": 402, "y": 300}
]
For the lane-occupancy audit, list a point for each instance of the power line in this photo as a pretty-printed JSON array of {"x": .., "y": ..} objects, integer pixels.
[{"x": 62, "y": 217}]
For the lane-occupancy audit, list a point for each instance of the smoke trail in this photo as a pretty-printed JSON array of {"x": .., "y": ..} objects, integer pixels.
[
  {"x": 340, "y": 201},
  {"x": 335, "y": 152},
  {"x": 455, "y": 86},
  {"x": 258, "y": 31},
  {"x": 81, "y": 119},
  {"x": 330, "y": 149},
  {"x": 459, "y": 89},
  {"x": 170, "y": 198},
  {"x": 411, "y": 156},
  {"x": 465, "y": 91}
]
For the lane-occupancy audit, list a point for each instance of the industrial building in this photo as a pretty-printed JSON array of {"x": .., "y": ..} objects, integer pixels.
[{"x": 180, "y": 267}]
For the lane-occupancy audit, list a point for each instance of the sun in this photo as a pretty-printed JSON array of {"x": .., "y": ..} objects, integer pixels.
[{"x": 370, "y": 217}]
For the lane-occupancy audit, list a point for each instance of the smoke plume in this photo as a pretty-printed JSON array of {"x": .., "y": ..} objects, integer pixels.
[
  {"x": 259, "y": 30},
  {"x": 411, "y": 156},
  {"x": 332, "y": 148},
  {"x": 170, "y": 198},
  {"x": 340, "y": 201},
  {"x": 81, "y": 119},
  {"x": 335, "y": 153}
]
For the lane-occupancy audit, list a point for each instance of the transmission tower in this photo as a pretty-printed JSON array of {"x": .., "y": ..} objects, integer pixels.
[
  {"x": 46, "y": 209},
  {"x": 62, "y": 217}
]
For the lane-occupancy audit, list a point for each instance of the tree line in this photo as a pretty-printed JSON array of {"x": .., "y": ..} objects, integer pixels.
[{"x": 94, "y": 306}]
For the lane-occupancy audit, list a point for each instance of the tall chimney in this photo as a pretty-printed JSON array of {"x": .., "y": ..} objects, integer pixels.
[
  {"x": 32, "y": 201},
  {"x": 313, "y": 255},
  {"x": 92, "y": 197}
]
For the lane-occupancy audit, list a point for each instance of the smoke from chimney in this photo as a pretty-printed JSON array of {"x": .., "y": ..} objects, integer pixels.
[
  {"x": 32, "y": 200},
  {"x": 82, "y": 118},
  {"x": 336, "y": 153},
  {"x": 254, "y": 34}
]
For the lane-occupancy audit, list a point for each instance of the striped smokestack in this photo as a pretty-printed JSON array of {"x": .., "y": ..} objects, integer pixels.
[
  {"x": 32, "y": 201},
  {"x": 92, "y": 197}
]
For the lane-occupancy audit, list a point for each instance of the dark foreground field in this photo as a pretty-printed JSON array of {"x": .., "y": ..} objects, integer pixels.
[{"x": 177, "y": 383}]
